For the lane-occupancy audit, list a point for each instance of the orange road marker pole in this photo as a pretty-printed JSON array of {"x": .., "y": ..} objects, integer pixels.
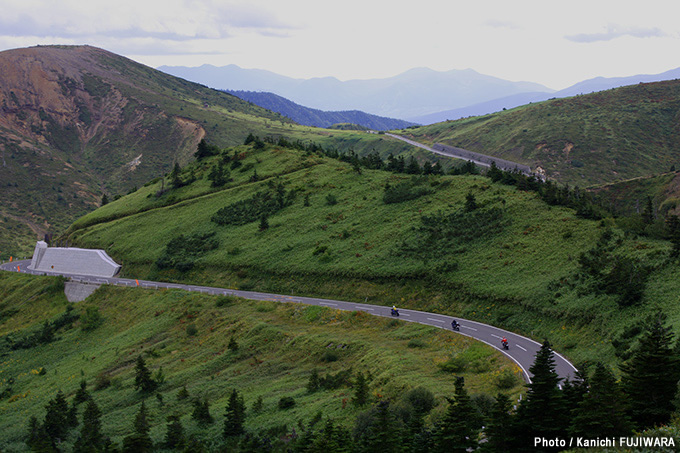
[{"x": 137, "y": 282}]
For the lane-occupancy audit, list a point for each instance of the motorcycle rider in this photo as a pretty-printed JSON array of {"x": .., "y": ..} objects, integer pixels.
[
  {"x": 504, "y": 342},
  {"x": 454, "y": 325}
]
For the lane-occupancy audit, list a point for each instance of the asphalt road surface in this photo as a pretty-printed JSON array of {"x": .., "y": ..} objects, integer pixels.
[{"x": 522, "y": 349}]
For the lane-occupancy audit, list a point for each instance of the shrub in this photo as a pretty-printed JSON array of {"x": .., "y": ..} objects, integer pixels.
[
  {"x": 506, "y": 380},
  {"x": 223, "y": 301},
  {"x": 102, "y": 381},
  {"x": 286, "y": 402},
  {"x": 416, "y": 343},
  {"x": 192, "y": 330},
  {"x": 455, "y": 364},
  {"x": 331, "y": 199},
  {"x": 91, "y": 319},
  {"x": 329, "y": 356}
]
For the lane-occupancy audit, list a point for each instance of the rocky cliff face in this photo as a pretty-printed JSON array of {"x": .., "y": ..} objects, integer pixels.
[{"x": 77, "y": 122}]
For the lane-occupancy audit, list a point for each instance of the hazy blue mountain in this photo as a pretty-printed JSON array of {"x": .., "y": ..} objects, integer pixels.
[
  {"x": 413, "y": 93},
  {"x": 315, "y": 117},
  {"x": 585, "y": 87}
]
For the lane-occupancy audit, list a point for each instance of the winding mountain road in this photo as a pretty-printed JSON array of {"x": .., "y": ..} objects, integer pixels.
[{"x": 522, "y": 349}]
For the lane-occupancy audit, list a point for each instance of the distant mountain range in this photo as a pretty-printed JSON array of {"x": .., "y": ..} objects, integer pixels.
[
  {"x": 585, "y": 87},
  {"x": 319, "y": 118},
  {"x": 420, "y": 95},
  {"x": 414, "y": 93}
]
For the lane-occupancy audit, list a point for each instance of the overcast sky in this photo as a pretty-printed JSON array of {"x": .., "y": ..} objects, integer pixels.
[{"x": 549, "y": 42}]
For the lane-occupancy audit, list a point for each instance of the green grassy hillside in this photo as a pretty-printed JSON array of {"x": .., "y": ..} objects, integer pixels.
[
  {"x": 590, "y": 139},
  {"x": 187, "y": 335},
  {"x": 515, "y": 261}
]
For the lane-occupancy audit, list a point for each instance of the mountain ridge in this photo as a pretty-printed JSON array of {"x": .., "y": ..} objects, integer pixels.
[{"x": 412, "y": 93}]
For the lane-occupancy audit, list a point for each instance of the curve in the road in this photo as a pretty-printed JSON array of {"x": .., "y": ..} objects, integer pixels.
[{"x": 522, "y": 349}]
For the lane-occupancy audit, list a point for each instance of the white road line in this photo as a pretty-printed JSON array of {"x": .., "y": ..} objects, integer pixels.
[
  {"x": 363, "y": 308},
  {"x": 496, "y": 336},
  {"x": 471, "y": 328},
  {"x": 521, "y": 348},
  {"x": 404, "y": 314},
  {"x": 436, "y": 320}
]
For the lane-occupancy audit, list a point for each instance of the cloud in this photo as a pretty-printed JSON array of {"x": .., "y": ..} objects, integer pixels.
[
  {"x": 615, "y": 31},
  {"x": 173, "y": 20}
]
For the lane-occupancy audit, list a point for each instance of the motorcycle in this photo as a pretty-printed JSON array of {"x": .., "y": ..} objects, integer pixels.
[
  {"x": 394, "y": 312},
  {"x": 455, "y": 326},
  {"x": 505, "y": 345}
]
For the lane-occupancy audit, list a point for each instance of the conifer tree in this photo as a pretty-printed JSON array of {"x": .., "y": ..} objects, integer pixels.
[
  {"x": 360, "y": 390},
  {"x": 143, "y": 379},
  {"x": 91, "y": 439},
  {"x": 384, "y": 433},
  {"x": 673, "y": 233},
  {"x": 413, "y": 168},
  {"x": 201, "y": 412},
  {"x": 542, "y": 413},
  {"x": 602, "y": 412},
  {"x": 81, "y": 394},
  {"x": 458, "y": 431},
  {"x": 650, "y": 377},
  {"x": 139, "y": 441},
  {"x": 499, "y": 429},
  {"x": 56, "y": 418},
  {"x": 235, "y": 416},
  {"x": 313, "y": 383},
  {"x": 470, "y": 202},
  {"x": 38, "y": 439},
  {"x": 174, "y": 436}
]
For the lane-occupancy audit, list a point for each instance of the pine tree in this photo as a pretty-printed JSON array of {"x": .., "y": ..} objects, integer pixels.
[
  {"x": 650, "y": 377},
  {"x": 470, "y": 202},
  {"x": 105, "y": 200},
  {"x": 233, "y": 344},
  {"x": 360, "y": 390},
  {"x": 235, "y": 416},
  {"x": 91, "y": 439},
  {"x": 458, "y": 431},
  {"x": 81, "y": 394},
  {"x": 175, "y": 178},
  {"x": 183, "y": 393},
  {"x": 140, "y": 441},
  {"x": 384, "y": 433},
  {"x": 542, "y": 413},
  {"x": 264, "y": 223},
  {"x": 413, "y": 168},
  {"x": 673, "y": 233},
  {"x": 174, "y": 436},
  {"x": 201, "y": 413},
  {"x": 313, "y": 384},
  {"x": 499, "y": 429},
  {"x": 56, "y": 418},
  {"x": 602, "y": 412},
  {"x": 143, "y": 379},
  {"x": 38, "y": 439}
]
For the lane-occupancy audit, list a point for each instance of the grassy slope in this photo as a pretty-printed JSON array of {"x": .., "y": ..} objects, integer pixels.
[
  {"x": 512, "y": 279},
  {"x": 630, "y": 196},
  {"x": 279, "y": 344},
  {"x": 584, "y": 140}
]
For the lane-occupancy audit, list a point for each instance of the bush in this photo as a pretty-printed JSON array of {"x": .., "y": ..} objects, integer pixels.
[
  {"x": 455, "y": 364},
  {"x": 192, "y": 330},
  {"x": 91, "y": 319},
  {"x": 286, "y": 402},
  {"x": 416, "y": 343},
  {"x": 329, "y": 356},
  {"x": 506, "y": 380},
  {"x": 223, "y": 301},
  {"x": 331, "y": 199}
]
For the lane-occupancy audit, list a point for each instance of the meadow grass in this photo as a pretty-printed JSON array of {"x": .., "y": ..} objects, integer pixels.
[{"x": 279, "y": 344}]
